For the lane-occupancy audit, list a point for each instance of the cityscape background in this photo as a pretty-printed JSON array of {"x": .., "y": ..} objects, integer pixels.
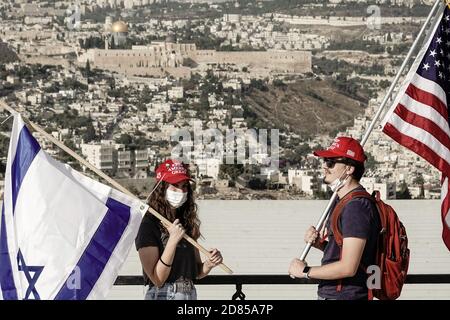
[{"x": 117, "y": 80}]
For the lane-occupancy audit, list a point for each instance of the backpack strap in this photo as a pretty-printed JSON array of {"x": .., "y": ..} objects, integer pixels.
[{"x": 337, "y": 211}]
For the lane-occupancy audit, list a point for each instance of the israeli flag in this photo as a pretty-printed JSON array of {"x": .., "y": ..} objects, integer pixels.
[{"x": 62, "y": 235}]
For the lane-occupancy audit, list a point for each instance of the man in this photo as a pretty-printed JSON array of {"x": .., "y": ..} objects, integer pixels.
[{"x": 342, "y": 273}]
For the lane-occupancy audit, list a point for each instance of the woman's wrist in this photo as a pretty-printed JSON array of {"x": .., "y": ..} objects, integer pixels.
[
  {"x": 172, "y": 243},
  {"x": 207, "y": 266}
]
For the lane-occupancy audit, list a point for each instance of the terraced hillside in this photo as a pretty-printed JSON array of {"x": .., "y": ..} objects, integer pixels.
[
  {"x": 306, "y": 107},
  {"x": 6, "y": 54}
]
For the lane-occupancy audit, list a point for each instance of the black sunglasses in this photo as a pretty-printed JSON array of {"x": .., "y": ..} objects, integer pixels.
[{"x": 331, "y": 162}]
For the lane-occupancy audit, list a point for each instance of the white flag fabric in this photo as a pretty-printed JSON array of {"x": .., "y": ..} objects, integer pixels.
[{"x": 62, "y": 235}]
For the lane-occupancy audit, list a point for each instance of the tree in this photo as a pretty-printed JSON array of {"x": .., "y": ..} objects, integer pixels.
[
  {"x": 279, "y": 83},
  {"x": 87, "y": 70},
  {"x": 4, "y": 142},
  {"x": 125, "y": 139},
  {"x": 370, "y": 163},
  {"x": 384, "y": 84},
  {"x": 89, "y": 135},
  {"x": 419, "y": 180},
  {"x": 389, "y": 37},
  {"x": 64, "y": 156},
  {"x": 404, "y": 192},
  {"x": 257, "y": 184},
  {"x": 88, "y": 67},
  {"x": 230, "y": 171},
  {"x": 322, "y": 195}
]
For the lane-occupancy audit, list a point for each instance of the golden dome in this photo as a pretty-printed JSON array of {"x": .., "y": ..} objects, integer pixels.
[{"x": 119, "y": 26}]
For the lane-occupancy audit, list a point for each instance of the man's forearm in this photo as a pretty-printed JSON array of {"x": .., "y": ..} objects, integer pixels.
[{"x": 332, "y": 271}]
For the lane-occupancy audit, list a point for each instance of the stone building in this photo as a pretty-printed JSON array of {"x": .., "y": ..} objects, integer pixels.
[{"x": 161, "y": 58}]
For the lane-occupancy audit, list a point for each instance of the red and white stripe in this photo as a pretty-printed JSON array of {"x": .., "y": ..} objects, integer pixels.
[
  {"x": 445, "y": 208},
  {"x": 418, "y": 121}
]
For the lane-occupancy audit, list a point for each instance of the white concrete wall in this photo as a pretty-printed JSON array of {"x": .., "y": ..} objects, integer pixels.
[{"x": 262, "y": 237}]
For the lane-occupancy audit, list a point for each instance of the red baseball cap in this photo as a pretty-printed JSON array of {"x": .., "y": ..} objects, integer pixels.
[
  {"x": 172, "y": 171},
  {"x": 345, "y": 147}
]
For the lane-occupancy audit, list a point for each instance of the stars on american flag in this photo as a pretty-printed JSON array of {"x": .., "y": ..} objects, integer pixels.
[{"x": 435, "y": 64}]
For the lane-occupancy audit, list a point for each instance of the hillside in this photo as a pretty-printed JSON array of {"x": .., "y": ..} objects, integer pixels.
[
  {"x": 6, "y": 54},
  {"x": 307, "y": 107}
]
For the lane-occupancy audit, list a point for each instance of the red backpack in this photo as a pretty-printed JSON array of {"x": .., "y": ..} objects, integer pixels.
[{"x": 392, "y": 250}]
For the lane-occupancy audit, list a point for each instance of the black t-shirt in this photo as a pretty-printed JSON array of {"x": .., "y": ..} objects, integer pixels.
[
  {"x": 359, "y": 219},
  {"x": 184, "y": 263}
]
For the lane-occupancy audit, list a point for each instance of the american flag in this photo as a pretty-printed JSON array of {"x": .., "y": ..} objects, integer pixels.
[{"x": 419, "y": 116}]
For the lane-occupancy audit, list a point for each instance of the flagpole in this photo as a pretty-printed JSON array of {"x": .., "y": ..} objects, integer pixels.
[
  {"x": 111, "y": 181},
  {"x": 399, "y": 73},
  {"x": 369, "y": 130}
]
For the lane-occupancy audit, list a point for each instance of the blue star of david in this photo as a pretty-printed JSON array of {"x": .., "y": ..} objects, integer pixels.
[{"x": 31, "y": 280}]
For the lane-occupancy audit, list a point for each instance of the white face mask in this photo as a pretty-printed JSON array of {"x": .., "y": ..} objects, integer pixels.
[
  {"x": 334, "y": 185},
  {"x": 176, "y": 198}
]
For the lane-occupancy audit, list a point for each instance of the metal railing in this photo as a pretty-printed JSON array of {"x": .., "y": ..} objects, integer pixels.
[{"x": 239, "y": 280}]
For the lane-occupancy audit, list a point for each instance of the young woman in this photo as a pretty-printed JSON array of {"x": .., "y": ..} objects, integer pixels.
[{"x": 169, "y": 262}]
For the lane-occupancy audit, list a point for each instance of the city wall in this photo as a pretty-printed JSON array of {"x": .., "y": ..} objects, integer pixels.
[{"x": 279, "y": 61}]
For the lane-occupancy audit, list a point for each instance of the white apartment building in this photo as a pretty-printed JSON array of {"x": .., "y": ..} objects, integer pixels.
[
  {"x": 386, "y": 189},
  {"x": 232, "y": 18},
  {"x": 100, "y": 155},
  {"x": 208, "y": 167},
  {"x": 141, "y": 159},
  {"x": 124, "y": 164},
  {"x": 176, "y": 93},
  {"x": 303, "y": 180},
  {"x": 115, "y": 159}
]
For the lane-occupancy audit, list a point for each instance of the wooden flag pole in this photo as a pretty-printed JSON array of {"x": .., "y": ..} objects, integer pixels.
[{"x": 111, "y": 181}]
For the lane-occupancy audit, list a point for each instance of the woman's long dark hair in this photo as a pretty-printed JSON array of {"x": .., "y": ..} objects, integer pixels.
[{"x": 187, "y": 213}]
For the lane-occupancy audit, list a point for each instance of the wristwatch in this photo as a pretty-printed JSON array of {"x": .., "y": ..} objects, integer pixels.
[{"x": 306, "y": 272}]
